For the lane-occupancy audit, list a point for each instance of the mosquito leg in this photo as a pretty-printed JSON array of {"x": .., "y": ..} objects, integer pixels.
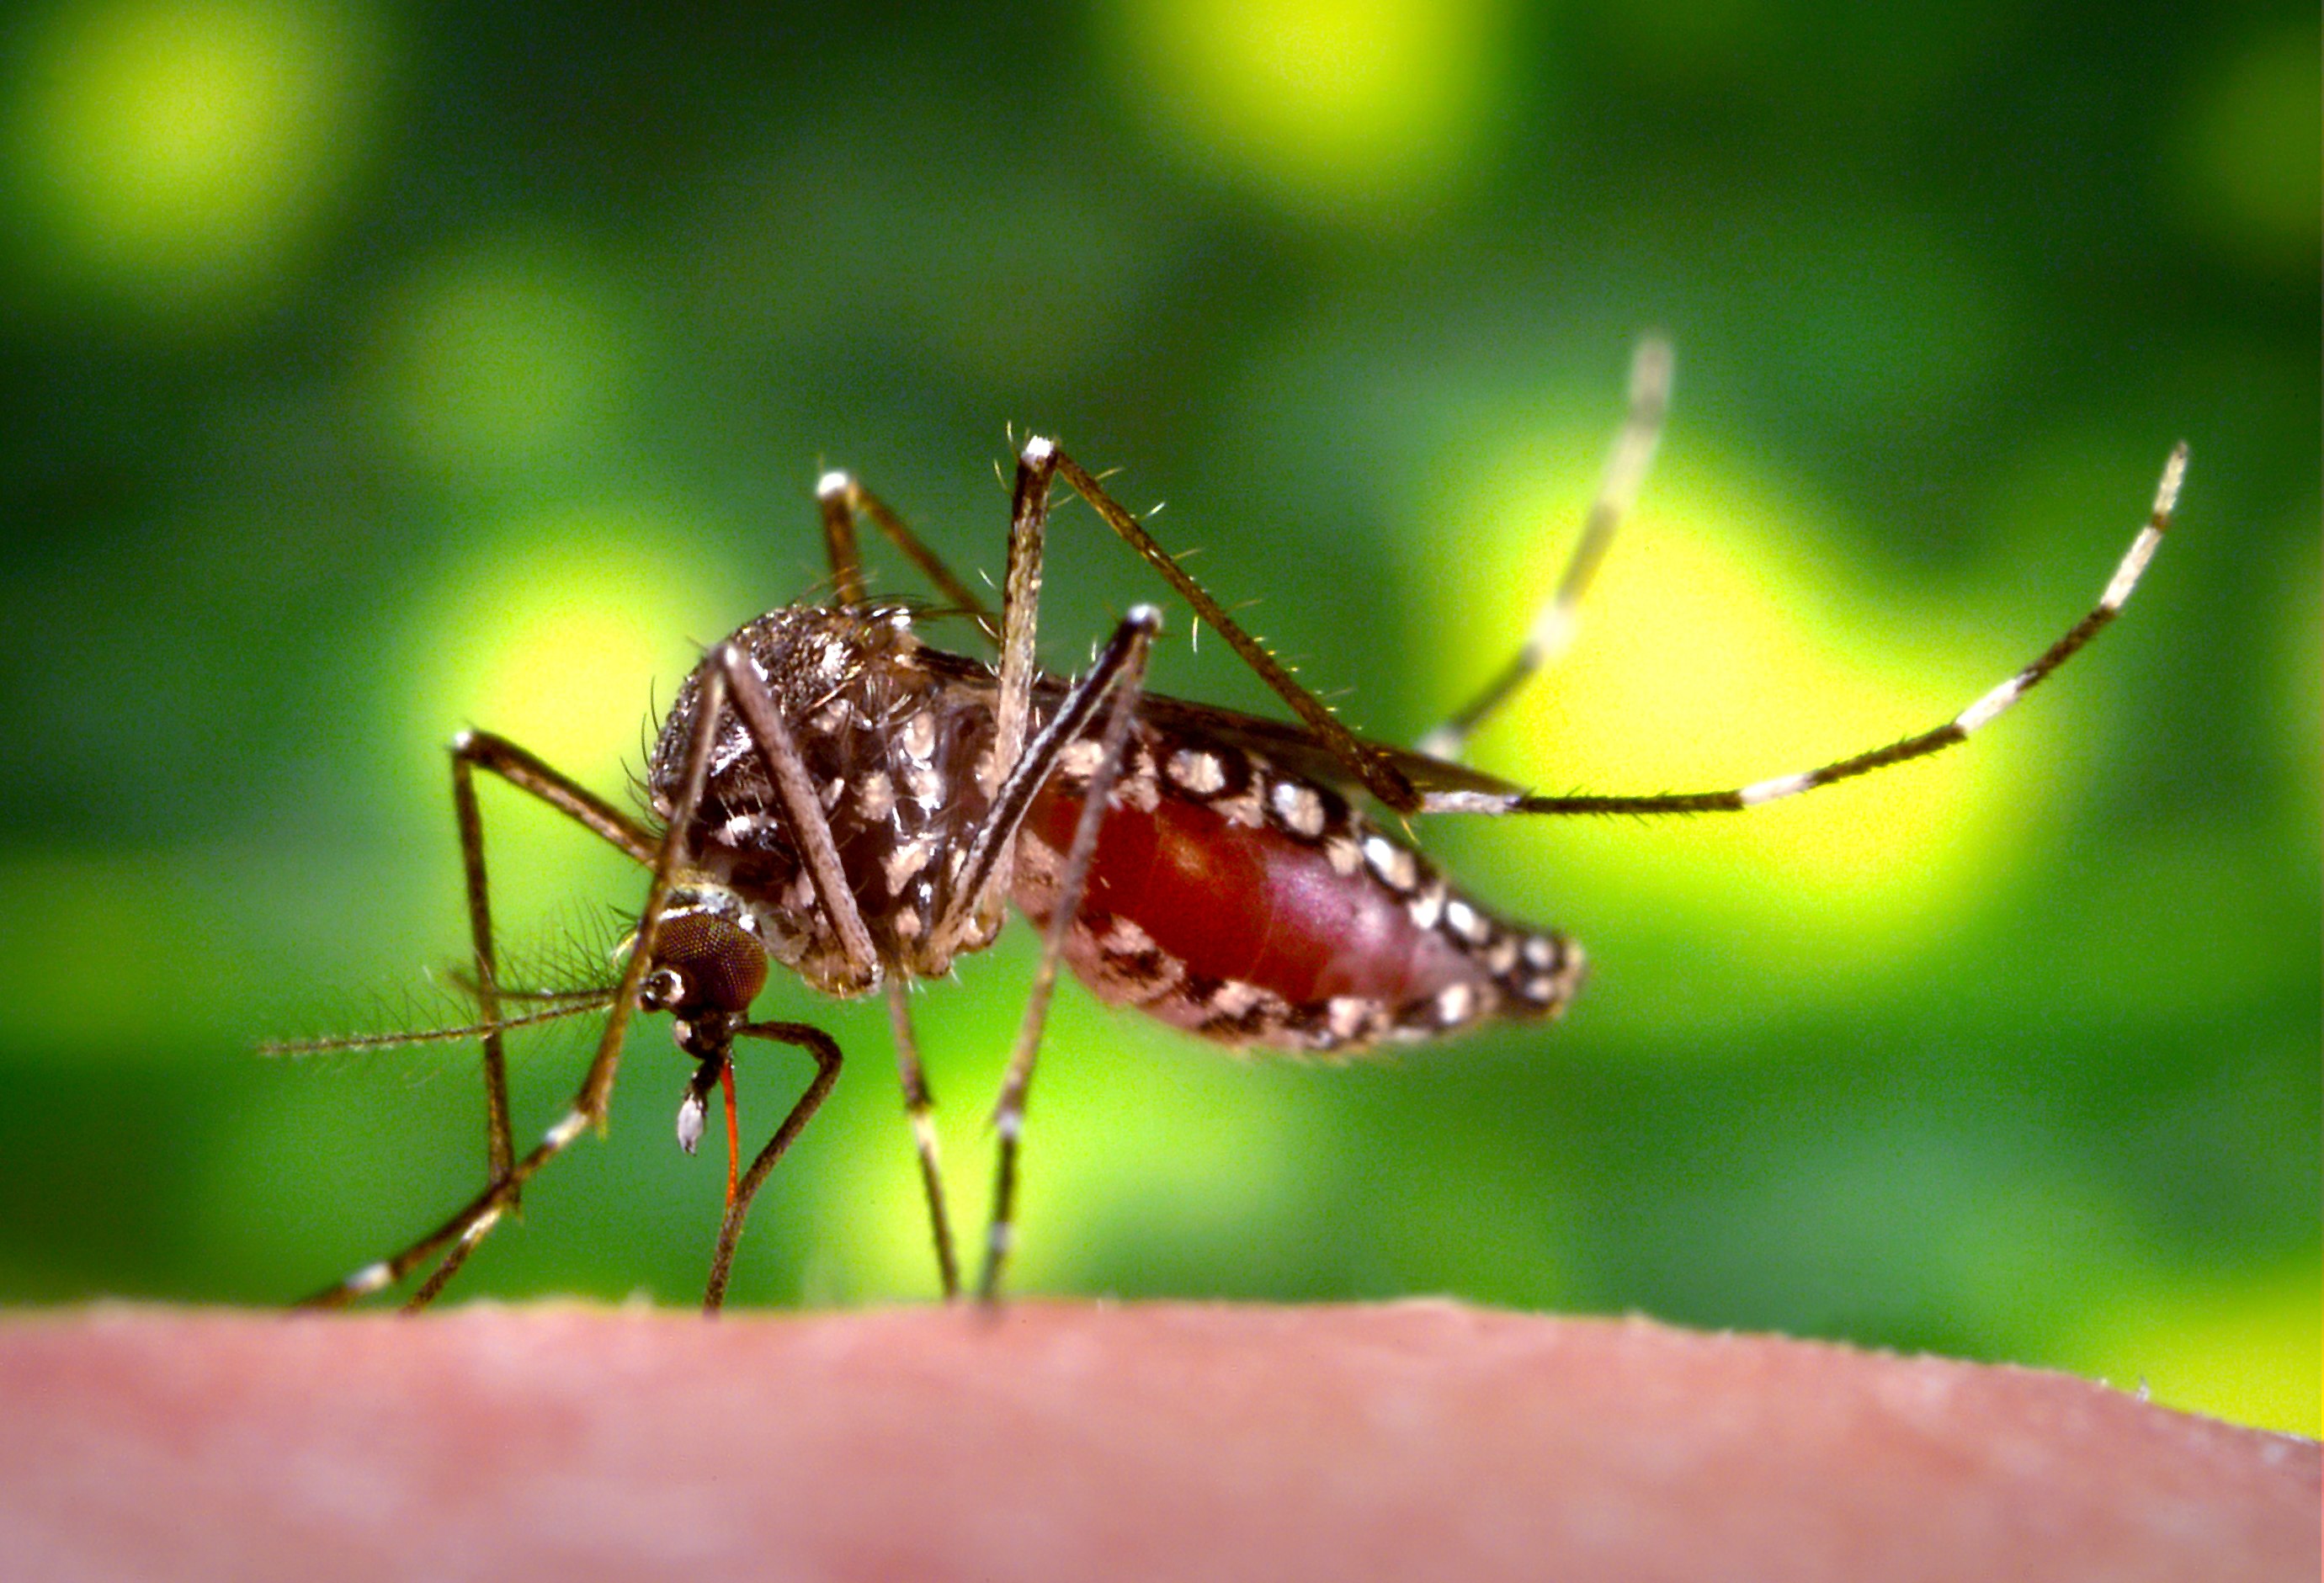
[
  {"x": 2118, "y": 590},
  {"x": 1379, "y": 773},
  {"x": 975, "y": 893},
  {"x": 834, "y": 494},
  {"x": 522, "y": 770},
  {"x": 1121, "y": 674},
  {"x": 472, "y": 750},
  {"x": 460, "y": 1234},
  {"x": 841, "y": 497},
  {"x": 469, "y": 1225},
  {"x": 442, "y": 1276},
  {"x": 1553, "y": 624},
  {"x": 956, "y": 904},
  {"x": 819, "y": 1045},
  {"x": 500, "y": 1152},
  {"x": 457, "y": 1238},
  {"x": 802, "y": 809},
  {"x": 918, "y": 1104},
  {"x": 1020, "y": 608}
]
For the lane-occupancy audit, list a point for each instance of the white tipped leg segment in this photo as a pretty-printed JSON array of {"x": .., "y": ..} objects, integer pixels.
[
  {"x": 1991, "y": 704},
  {"x": 373, "y": 1278},
  {"x": 2150, "y": 538},
  {"x": 1782, "y": 785},
  {"x": 1553, "y": 626},
  {"x": 2118, "y": 590}
]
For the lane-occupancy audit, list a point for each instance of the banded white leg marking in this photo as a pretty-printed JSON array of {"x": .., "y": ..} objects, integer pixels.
[
  {"x": 2118, "y": 590},
  {"x": 1782, "y": 785},
  {"x": 1553, "y": 626},
  {"x": 373, "y": 1278},
  {"x": 1991, "y": 704}
]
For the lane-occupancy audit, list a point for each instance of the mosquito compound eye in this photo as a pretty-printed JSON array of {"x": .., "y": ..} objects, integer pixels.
[{"x": 722, "y": 966}]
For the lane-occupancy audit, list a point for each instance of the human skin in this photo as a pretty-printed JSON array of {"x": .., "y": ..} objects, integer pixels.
[{"x": 1073, "y": 1441}]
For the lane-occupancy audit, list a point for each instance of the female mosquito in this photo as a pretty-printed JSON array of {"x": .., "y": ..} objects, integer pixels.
[{"x": 832, "y": 793}]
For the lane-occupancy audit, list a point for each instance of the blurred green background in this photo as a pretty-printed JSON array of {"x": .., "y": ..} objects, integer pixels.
[{"x": 374, "y": 370}]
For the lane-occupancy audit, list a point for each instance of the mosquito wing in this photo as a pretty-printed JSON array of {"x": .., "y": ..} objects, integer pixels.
[
  {"x": 1289, "y": 746},
  {"x": 1293, "y": 750}
]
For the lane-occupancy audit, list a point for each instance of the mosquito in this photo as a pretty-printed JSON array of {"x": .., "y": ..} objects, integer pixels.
[{"x": 831, "y": 792}]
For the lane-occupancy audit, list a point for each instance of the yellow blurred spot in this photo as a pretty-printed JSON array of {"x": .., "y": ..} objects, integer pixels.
[
  {"x": 565, "y": 634},
  {"x": 1713, "y": 653},
  {"x": 1335, "y": 104},
  {"x": 171, "y": 150},
  {"x": 498, "y": 358},
  {"x": 2246, "y": 1353},
  {"x": 557, "y": 633}
]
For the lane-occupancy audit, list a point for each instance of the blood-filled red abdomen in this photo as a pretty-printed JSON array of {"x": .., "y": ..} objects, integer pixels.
[{"x": 1279, "y": 920}]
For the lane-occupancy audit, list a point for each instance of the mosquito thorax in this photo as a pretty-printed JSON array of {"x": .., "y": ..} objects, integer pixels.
[{"x": 897, "y": 744}]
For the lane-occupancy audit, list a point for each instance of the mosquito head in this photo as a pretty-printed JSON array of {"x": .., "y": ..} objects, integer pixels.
[{"x": 708, "y": 965}]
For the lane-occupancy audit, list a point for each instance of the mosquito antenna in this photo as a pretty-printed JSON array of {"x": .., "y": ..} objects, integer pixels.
[{"x": 548, "y": 1006}]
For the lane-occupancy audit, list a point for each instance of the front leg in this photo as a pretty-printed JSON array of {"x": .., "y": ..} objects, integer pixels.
[
  {"x": 1117, "y": 680},
  {"x": 802, "y": 811},
  {"x": 819, "y": 1045}
]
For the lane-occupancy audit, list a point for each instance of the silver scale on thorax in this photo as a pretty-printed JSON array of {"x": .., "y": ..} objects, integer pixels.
[{"x": 899, "y": 757}]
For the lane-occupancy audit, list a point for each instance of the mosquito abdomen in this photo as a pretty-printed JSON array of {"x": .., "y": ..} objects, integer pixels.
[{"x": 1260, "y": 909}]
